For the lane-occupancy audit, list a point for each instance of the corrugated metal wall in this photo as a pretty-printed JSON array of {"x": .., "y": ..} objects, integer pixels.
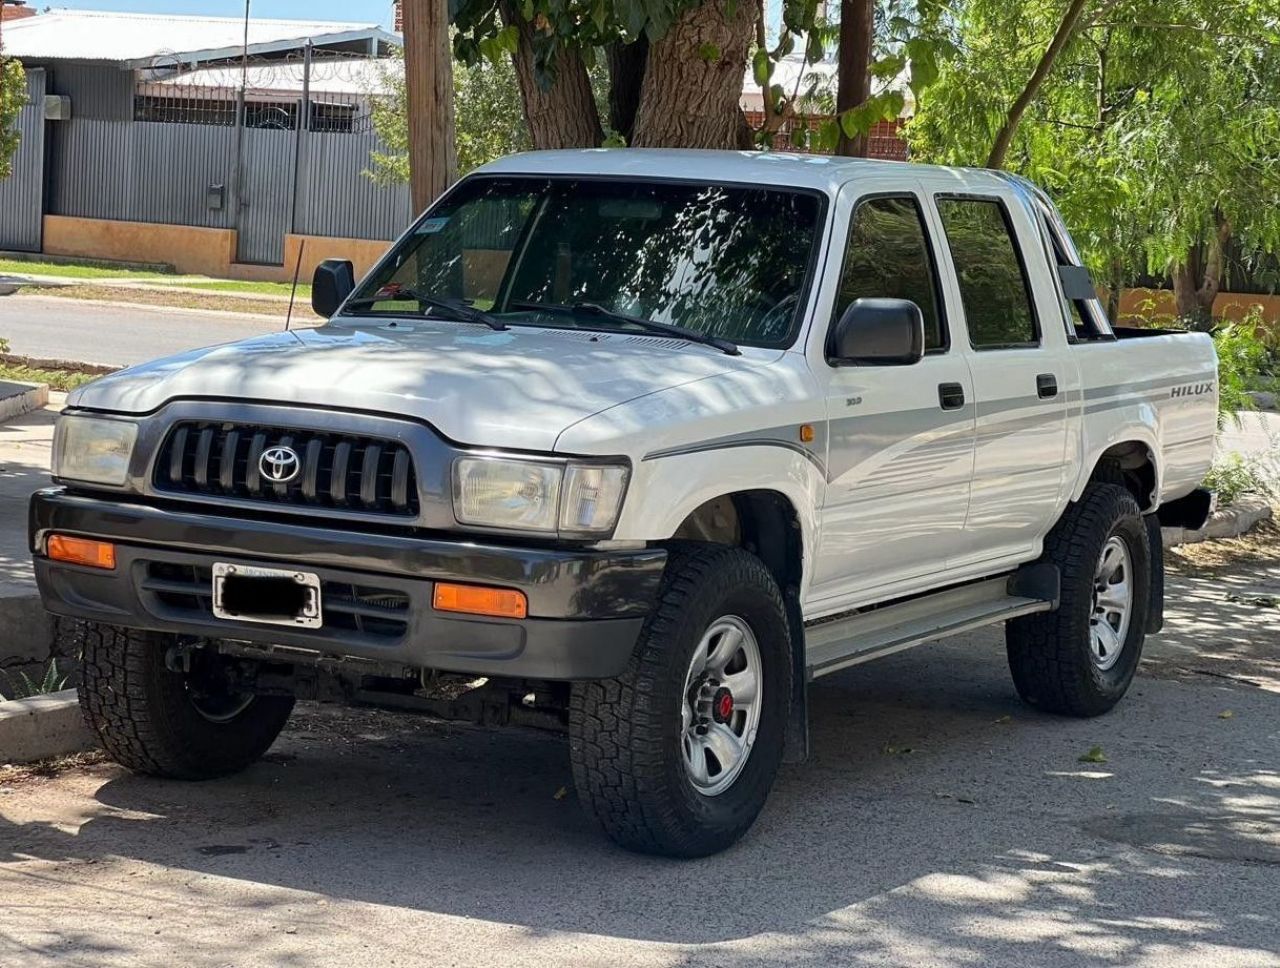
[
  {"x": 335, "y": 198},
  {"x": 97, "y": 91},
  {"x": 22, "y": 192},
  {"x": 142, "y": 172},
  {"x": 103, "y": 164},
  {"x": 161, "y": 172}
]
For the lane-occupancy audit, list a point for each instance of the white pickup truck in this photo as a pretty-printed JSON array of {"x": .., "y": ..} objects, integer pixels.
[{"x": 634, "y": 444}]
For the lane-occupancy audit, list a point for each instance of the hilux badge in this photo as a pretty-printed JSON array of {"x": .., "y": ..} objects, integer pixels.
[{"x": 279, "y": 465}]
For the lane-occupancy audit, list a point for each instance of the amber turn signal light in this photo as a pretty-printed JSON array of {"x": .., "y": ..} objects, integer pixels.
[
  {"x": 478, "y": 600},
  {"x": 81, "y": 551}
]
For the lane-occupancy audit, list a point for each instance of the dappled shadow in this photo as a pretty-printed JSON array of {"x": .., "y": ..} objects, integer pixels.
[{"x": 937, "y": 817}]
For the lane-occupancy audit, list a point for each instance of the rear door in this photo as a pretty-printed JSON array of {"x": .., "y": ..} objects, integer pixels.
[
  {"x": 1022, "y": 376},
  {"x": 900, "y": 438}
]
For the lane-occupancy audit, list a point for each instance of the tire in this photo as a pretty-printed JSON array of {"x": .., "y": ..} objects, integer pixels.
[
  {"x": 1052, "y": 654},
  {"x": 628, "y": 737},
  {"x": 146, "y": 718}
]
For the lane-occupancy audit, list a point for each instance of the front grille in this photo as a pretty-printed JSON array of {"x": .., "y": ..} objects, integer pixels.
[
  {"x": 337, "y": 470},
  {"x": 381, "y": 613}
]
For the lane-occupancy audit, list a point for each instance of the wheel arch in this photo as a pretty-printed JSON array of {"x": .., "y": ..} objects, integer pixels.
[{"x": 1133, "y": 463}]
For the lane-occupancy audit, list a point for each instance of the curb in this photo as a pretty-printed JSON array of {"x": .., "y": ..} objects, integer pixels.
[
  {"x": 42, "y": 727},
  {"x": 19, "y": 398},
  {"x": 1229, "y": 522}
]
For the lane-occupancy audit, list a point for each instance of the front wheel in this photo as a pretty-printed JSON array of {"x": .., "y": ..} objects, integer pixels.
[
  {"x": 677, "y": 755},
  {"x": 1080, "y": 659},
  {"x": 158, "y": 721}
]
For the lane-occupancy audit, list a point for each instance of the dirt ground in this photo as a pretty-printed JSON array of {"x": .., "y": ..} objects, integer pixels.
[{"x": 938, "y": 823}]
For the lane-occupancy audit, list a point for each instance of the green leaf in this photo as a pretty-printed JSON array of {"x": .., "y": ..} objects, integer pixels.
[
  {"x": 709, "y": 53},
  {"x": 1095, "y": 755},
  {"x": 761, "y": 68}
]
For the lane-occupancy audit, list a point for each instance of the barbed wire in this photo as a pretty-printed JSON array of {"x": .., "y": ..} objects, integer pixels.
[{"x": 341, "y": 87}]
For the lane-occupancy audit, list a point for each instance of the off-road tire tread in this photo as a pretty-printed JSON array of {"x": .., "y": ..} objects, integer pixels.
[
  {"x": 130, "y": 705},
  {"x": 1050, "y": 669},
  {"x": 615, "y": 724}
]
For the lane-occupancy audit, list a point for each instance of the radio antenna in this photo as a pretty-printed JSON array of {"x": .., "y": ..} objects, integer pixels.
[{"x": 297, "y": 267}]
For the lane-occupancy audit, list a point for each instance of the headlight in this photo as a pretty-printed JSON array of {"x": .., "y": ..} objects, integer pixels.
[
  {"x": 94, "y": 450},
  {"x": 529, "y": 495}
]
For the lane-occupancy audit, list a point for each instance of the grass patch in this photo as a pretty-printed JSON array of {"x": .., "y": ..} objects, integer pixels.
[
  {"x": 21, "y": 267},
  {"x": 64, "y": 380},
  {"x": 91, "y": 272}
]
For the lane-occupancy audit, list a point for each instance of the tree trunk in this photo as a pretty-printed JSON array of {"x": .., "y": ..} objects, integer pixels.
[
  {"x": 428, "y": 84},
  {"x": 857, "y": 32},
  {"x": 693, "y": 85},
  {"x": 562, "y": 113},
  {"x": 626, "y": 74},
  {"x": 1004, "y": 138},
  {"x": 1194, "y": 287}
]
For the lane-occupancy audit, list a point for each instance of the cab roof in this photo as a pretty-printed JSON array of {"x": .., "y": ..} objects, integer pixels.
[{"x": 821, "y": 172}]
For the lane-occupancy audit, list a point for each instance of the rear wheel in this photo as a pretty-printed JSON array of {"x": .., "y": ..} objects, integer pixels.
[
  {"x": 153, "y": 719},
  {"x": 677, "y": 755},
  {"x": 1080, "y": 659}
]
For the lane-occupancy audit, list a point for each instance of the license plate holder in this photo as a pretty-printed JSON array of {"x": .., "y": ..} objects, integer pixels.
[{"x": 266, "y": 596}]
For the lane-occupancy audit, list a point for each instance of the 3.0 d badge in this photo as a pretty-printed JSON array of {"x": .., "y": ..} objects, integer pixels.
[{"x": 279, "y": 465}]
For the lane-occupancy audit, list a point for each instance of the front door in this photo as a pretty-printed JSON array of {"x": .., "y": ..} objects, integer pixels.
[{"x": 900, "y": 438}]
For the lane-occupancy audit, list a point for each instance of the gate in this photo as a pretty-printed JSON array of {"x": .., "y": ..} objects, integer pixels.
[
  {"x": 22, "y": 193},
  {"x": 266, "y": 194}
]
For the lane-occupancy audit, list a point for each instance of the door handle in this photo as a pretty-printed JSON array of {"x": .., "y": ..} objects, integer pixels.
[
  {"x": 950, "y": 396},
  {"x": 1046, "y": 385}
]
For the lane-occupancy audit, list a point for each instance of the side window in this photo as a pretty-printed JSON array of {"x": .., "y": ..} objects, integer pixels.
[
  {"x": 993, "y": 285},
  {"x": 888, "y": 255}
]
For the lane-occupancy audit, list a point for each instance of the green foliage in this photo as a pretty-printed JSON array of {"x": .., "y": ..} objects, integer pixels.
[
  {"x": 1242, "y": 357},
  {"x": 1160, "y": 118},
  {"x": 1235, "y": 475},
  {"x": 489, "y": 119},
  {"x": 13, "y": 95},
  {"x": 22, "y": 686}
]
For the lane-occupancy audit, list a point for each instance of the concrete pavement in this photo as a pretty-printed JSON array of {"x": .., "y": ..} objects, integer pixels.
[
  {"x": 939, "y": 823},
  {"x": 113, "y": 334}
]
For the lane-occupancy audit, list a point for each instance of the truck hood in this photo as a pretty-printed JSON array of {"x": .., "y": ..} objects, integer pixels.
[{"x": 520, "y": 388}]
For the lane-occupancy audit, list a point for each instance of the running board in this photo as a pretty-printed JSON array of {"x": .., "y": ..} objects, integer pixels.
[{"x": 882, "y": 630}]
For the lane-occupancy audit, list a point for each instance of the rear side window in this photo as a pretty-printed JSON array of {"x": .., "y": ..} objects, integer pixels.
[
  {"x": 993, "y": 284},
  {"x": 888, "y": 255}
]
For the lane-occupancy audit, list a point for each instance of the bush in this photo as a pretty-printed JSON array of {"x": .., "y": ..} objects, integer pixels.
[
  {"x": 1244, "y": 358},
  {"x": 1234, "y": 475}
]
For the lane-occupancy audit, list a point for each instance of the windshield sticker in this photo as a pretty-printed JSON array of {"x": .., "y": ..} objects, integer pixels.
[{"x": 433, "y": 225}]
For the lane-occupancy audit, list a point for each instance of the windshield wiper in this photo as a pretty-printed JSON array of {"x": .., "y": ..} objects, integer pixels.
[
  {"x": 652, "y": 325},
  {"x": 460, "y": 310}
]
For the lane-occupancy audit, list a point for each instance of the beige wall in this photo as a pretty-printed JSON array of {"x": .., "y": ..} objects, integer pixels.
[{"x": 198, "y": 251}]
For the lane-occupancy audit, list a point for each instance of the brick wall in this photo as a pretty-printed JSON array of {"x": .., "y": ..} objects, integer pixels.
[
  {"x": 15, "y": 11},
  {"x": 886, "y": 142}
]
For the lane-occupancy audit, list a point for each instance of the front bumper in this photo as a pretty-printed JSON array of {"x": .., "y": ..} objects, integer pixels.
[{"x": 586, "y": 607}]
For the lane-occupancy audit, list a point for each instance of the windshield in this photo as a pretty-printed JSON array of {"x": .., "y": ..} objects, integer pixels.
[{"x": 722, "y": 261}]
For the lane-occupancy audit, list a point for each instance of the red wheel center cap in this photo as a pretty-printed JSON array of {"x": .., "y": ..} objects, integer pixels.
[{"x": 722, "y": 705}]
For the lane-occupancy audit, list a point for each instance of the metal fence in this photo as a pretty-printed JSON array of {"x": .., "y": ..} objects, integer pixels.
[
  {"x": 21, "y": 193},
  {"x": 266, "y": 148}
]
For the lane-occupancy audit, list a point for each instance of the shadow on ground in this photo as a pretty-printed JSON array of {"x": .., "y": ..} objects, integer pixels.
[{"x": 938, "y": 822}]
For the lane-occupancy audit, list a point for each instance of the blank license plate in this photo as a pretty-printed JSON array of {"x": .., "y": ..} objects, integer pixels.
[{"x": 272, "y": 596}]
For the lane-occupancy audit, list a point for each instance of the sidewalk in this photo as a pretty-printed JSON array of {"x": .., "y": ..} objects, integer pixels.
[
  {"x": 157, "y": 284},
  {"x": 25, "y": 444}
]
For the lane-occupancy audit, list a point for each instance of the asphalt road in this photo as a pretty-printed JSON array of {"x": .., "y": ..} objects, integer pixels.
[
  {"x": 939, "y": 823},
  {"x": 61, "y": 328}
]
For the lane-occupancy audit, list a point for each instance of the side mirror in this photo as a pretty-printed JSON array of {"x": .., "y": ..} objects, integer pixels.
[
  {"x": 878, "y": 332},
  {"x": 332, "y": 283}
]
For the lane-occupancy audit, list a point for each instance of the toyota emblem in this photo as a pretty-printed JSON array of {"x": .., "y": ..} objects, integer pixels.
[{"x": 280, "y": 464}]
